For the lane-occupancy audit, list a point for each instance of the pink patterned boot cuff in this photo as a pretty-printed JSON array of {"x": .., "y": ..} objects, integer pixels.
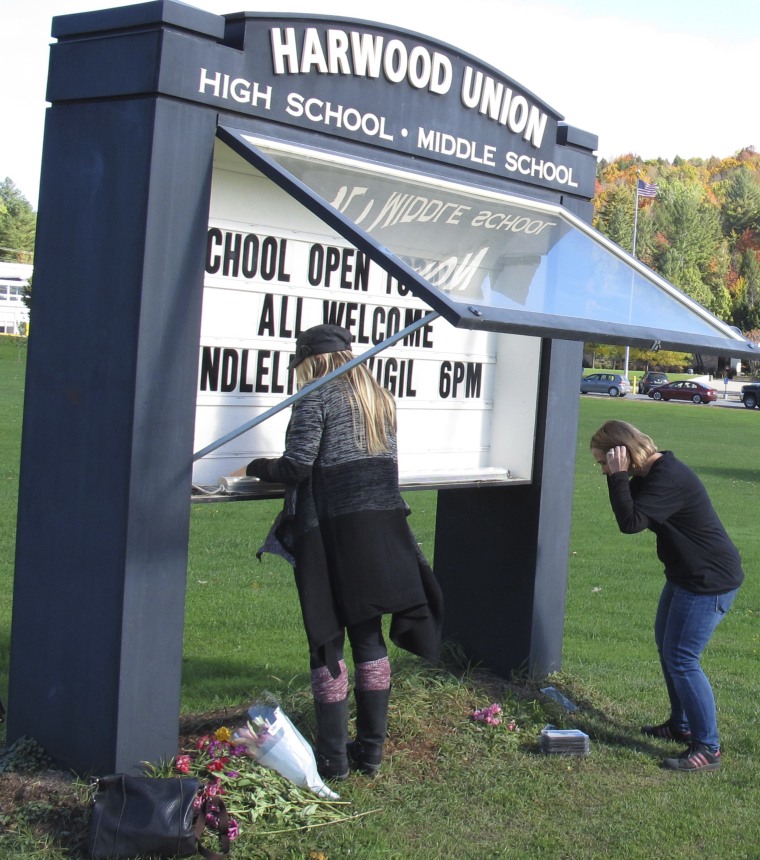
[
  {"x": 373, "y": 675},
  {"x": 327, "y": 689}
]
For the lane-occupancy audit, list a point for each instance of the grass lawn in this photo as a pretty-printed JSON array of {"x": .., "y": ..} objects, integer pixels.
[{"x": 451, "y": 787}]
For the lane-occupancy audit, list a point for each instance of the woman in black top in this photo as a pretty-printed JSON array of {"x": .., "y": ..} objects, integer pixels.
[
  {"x": 650, "y": 489},
  {"x": 344, "y": 528}
]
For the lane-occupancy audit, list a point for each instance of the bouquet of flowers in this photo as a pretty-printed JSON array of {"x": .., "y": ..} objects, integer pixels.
[
  {"x": 215, "y": 754},
  {"x": 272, "y": 740}
]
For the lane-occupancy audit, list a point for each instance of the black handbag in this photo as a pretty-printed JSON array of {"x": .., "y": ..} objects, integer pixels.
[{"x": 141, "y": 816}]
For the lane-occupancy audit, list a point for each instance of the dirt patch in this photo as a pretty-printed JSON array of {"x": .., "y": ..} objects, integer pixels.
[
  {"x": 42, "y": 805},
  {"x": 48, "y": 805}
]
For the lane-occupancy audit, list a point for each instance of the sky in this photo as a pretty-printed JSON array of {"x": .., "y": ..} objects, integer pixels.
[{"x": 658, "y": 78}]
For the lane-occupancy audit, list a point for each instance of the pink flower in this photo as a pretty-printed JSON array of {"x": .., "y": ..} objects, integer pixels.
[
  {"x": 182, "y": 764},
  {"x": 490, "y": 715},
  {"x": 213, "y": 788}
]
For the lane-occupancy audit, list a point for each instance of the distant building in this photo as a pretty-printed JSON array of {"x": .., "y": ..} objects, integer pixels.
[{"x": 14, "y": 315}]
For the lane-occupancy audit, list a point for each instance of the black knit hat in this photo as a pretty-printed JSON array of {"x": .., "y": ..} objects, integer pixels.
[{"x": 319, "y": 339}]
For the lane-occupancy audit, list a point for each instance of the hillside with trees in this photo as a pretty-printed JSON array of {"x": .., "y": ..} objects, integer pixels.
[{"x": 701, "y": 231}]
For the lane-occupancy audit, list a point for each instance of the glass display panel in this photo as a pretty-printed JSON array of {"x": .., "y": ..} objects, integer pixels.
[{"x": 492, "y": 256}]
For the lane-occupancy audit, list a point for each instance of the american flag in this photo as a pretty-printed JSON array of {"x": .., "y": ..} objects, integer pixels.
[{"x": 646, "y": 189}]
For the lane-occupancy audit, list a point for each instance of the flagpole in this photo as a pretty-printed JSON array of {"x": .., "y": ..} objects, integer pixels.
[
  {"x": 635, "y": 219},
  {"x": 635, "y": 225}
]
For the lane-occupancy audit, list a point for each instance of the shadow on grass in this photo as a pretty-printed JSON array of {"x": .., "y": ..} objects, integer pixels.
[
  {"x": 731, "y": 474},
  {"x": 230, "y": 680},
  {"x": 605, "y": 729}
]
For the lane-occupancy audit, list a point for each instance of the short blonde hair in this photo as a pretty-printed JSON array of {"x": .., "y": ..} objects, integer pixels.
[
  {"x": 613, "y": 433},
  {"x": 374, "y": 406}
]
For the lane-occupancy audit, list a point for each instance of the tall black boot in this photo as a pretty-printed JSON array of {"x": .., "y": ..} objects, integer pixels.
[
  {"x": 332, "y": 736},
  {"x": 366, "y": 752}
]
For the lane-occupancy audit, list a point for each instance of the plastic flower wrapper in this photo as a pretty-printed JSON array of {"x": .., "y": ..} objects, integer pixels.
[{"x": 272, "y": 740}]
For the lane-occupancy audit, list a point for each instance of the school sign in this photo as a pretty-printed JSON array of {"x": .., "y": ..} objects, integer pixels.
[{"x": 211, "y": 186}]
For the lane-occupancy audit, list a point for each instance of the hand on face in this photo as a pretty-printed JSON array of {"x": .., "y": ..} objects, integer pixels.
[{"x": 614, "y": 460}]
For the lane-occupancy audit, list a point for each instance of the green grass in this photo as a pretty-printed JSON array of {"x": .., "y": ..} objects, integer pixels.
[
  {"x": 449, "y": 788},
  {"x": 12, "y": 369}
]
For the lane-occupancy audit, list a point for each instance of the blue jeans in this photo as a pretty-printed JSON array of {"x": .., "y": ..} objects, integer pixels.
[{"x": 684, "y": 624}]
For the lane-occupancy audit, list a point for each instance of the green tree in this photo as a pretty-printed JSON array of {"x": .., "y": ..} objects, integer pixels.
[
  {"x": 717, "y": 278},
  {"x": 26, "y": 297},
  {"x": 690, "y": 236},
  {"x": 18, "y": 222},
  {"x": 740, "y": 194},
  {"x": 746, "y": 315},
  {"x": 615, "y": 218}
]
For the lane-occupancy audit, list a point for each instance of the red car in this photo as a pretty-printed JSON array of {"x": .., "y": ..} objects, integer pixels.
[{"x": 684, "y": 390}]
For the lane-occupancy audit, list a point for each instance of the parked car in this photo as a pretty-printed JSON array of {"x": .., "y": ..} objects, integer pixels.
[
  {"x": 684, "y": 390},
  {"x": 751, "y": 395},
  {"x": 650, "y": 379},
  {"x": 614, "y": 384}
]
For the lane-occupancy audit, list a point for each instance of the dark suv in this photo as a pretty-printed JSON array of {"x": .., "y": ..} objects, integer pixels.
[
  {"x": 651, "y": 380},
  {"x": 751, "y": 395}
]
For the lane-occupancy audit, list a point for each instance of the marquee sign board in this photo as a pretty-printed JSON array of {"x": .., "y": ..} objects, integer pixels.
[
  {"x": 392, "y": 91},
  {"x": 381, "y": 96}
]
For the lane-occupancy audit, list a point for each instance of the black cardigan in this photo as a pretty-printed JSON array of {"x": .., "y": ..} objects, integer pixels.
[{"x": 672, "y": 502}]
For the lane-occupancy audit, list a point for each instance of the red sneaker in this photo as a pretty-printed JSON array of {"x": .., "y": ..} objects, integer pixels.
[
  {"x": 696, "y": 757},
  {"x": 668, "y": 732}
]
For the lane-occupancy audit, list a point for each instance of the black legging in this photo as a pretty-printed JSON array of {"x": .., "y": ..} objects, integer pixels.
[{"x": 366, "y": 640}]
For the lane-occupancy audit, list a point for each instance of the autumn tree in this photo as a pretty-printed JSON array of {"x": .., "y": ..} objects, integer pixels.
[{"x": 701, "y": 232}]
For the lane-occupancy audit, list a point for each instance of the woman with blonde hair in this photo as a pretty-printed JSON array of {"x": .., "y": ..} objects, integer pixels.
[
  {"x": 651, "y": 489},
  {"x": 355, "y": 559}
]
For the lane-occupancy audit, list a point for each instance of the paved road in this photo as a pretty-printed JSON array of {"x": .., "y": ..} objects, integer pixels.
[{"x": 731, "y": 403}]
